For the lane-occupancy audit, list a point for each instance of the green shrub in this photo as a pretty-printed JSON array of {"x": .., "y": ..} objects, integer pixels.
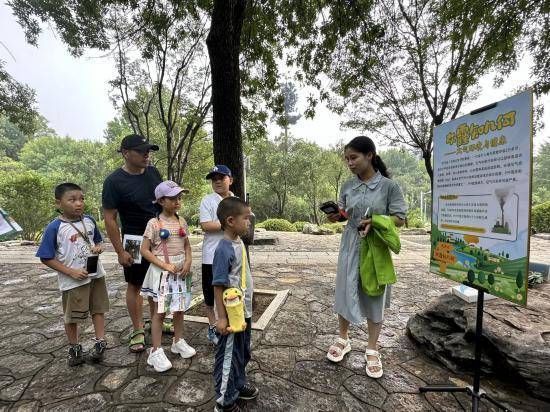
[
  {"x": 28, "y": 198},
  {"x": 280, "y": 225},
  {"x": 335, "y": 227},
  {"x": 414, "y": 218},
  {"x": 300, "y": 225},
  {"x": 471, "y": 276},
  {"x": 481, "y": 277},
  {"x": 540, "y": 217}
]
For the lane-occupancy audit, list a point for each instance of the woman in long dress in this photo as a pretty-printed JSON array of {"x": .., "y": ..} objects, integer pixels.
[{"x": 370, "y": 187}]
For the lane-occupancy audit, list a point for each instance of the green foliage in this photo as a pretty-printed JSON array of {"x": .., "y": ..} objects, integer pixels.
[
  {"x": 28, "y": 198},
  {"x": 409, "y": 172},
  {"x": 17, "y": 102},
  {"x": 491, "y": 279},
  {"x": 300, "y": 225},
  {"x": 280, "y": 225},
  {"x": 540, "y": 217},
  {"x": 335, "y": 227},
  {"x": 541, "y": 175},
  {"x": 63, "y": 159},
  {"x": 414, "y": 218}
]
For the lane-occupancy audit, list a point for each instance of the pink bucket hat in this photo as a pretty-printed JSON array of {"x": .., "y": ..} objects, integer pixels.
[{"x": 168, "y": 188}]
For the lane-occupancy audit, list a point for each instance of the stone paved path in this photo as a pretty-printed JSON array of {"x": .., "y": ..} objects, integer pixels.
[{"x": 288, "y": 360}]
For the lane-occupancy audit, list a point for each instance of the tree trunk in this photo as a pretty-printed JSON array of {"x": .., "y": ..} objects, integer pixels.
[
  {"x": 223, "y": 44},
  {"x": 428, "y": 164}
]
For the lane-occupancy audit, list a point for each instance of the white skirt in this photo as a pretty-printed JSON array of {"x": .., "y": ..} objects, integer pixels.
[{"x": 151, "y": 282}]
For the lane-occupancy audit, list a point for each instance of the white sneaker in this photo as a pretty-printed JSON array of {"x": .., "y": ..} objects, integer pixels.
[
  {"x": 158, "y": 360},
  {"x": 183, "y": 349}
]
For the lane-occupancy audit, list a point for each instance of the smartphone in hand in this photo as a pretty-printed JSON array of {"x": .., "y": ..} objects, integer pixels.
[
  {"x": 91, "y": 264},
  {"x": 331, "y": 207}
]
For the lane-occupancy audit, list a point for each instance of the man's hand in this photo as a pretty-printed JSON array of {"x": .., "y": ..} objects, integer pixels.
[
  {"x": 125, "y": 259},
  {"x": 170, "y": 268},
  {"x": 222, "y": 326},
  {"x": 96, "y": 250},
  {"x": 186, "y": 268},
  {"x": 78, "y": 274}
]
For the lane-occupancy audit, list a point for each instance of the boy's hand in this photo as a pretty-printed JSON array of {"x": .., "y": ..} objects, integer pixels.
[
  {"x": 222, "y": 326},
  {"x": 125, "y": 259},
  {"x": 78, "y": 274},
  {"x": 170, "y": 268},
  {"x": 96, "y": 250},
  {"x": 186, "y": 268}
]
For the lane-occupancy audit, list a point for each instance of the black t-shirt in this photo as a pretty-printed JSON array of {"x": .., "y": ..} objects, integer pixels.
[{"x": 132, "y": 196}]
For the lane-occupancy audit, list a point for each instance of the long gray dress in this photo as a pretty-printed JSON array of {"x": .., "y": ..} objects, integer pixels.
[{"x": 384, "y": 197}]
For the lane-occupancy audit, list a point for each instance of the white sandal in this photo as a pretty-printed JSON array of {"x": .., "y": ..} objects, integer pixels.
[
  {"x": 375, "y": 363},
  {"x": 341, "y": 347}
]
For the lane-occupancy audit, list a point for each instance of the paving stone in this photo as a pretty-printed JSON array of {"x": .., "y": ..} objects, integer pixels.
[
  {"x": 86, "y": 403},
  {"x": 347, "y": 402},
  {"x": 323, "y": 377},
  {"x": 114, "y": 379},
  {"x": 355, "y": 362},
  {"x": 366, "y": 389},
  {"x": 406, "y": 402},
  {"x": 190, "y": 389},
  {"x": 278, "y": 394},
  {"x": 21, "y": 364},
  {"x": 275, "y": 360},
  {"x": 203, "y": 361},
  {"x": 14, "y": 391},
  {"x": 26, "y": 406},
  {"x": 119, "y": 356},
  {"x": 20, "y": 341},
  {"x": 154, "y": 407},
  {"x": 398, "y": 380},
  {"x": 145, "y": 389},
  {"x": 443, "y": 402},
  {"x": 60, "y": 381}
]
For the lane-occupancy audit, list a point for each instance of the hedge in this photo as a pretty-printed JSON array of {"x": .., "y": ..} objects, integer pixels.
[
  {"x": 540, "y": 218},
  {"x": 300, "y": 225},
  {"x": 279, "y": 225}
]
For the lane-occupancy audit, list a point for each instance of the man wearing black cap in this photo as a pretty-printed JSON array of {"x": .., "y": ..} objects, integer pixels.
[{"x": 129, "y": 192}]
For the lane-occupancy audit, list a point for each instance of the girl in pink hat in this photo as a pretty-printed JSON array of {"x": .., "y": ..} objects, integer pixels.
[{"x": 166, "y": 246}]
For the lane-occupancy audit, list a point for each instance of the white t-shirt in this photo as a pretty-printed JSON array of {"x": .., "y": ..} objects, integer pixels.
[
  {"x": 62, "y": 242},
  {"x": 207, "y": 211}
]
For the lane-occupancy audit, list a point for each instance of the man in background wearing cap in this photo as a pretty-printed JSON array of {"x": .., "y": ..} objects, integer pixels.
[
  {"x": 129, "y": 192},
  {"x": 221, "y": 180}
]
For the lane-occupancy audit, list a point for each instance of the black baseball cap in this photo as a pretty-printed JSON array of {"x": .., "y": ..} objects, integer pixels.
[{"x": 136, "y": 142}]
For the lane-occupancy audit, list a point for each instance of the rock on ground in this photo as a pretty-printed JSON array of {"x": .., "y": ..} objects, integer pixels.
[{"x": 516, "y": 340}]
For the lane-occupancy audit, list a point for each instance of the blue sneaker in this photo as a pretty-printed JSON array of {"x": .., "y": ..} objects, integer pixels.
[{"x": 212, "y": 335}]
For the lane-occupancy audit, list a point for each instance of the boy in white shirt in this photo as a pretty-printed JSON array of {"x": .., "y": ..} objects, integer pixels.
[
  {"x": 221, "y": 178},
  {"x": 70, "y": 245}
]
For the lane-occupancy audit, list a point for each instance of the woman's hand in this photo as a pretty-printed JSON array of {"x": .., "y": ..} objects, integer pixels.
[
  {"x": 333, "y": 217},
  {"x": 364, "y": 226}
]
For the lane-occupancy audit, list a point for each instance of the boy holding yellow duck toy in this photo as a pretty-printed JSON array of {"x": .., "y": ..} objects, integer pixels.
[{"x": 233, "y": 288}]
